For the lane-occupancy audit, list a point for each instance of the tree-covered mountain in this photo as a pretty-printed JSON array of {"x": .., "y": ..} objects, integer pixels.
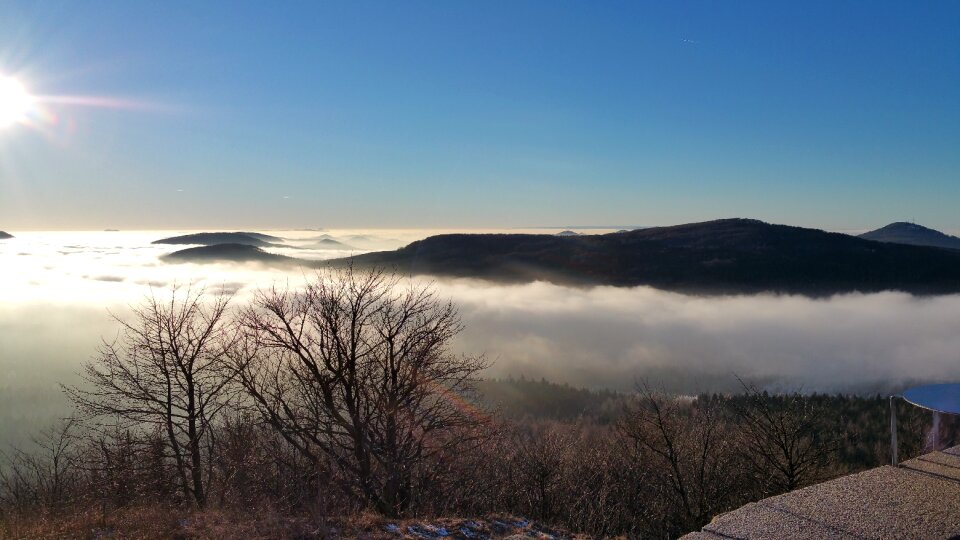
[
  {"x": 228, "y": 253},
  {"x": 715, "y": 257},
  {"x": 912, "y": 234},
  {"x": 214, "y": 238}
]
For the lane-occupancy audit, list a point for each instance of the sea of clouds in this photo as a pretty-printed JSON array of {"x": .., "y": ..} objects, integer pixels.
[{"x": 59, "y": 289}]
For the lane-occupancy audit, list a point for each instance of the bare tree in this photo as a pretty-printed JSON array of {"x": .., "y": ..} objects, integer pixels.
[
  {"x": 786, "y": 439},
  {"x": 46, "y": 476},
  {"x": 695, "y": 471},
  {"x": 355, "y": 370},
  {"x": 165, "y": 374},
  {"x": 542, "y": 460}
]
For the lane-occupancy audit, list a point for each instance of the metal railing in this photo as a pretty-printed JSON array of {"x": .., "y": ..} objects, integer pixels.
[{"x": 894, "y": 446}]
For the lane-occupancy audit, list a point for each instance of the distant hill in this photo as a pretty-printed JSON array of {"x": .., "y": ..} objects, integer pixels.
[
  {"x": 568, "y": 233},
  {"x": 228, "y": 253},
  {"x": 330, "y": 243},
  {"x": 715, "y": 257},
  {"x": 912, "y": 234},
  {"x": 362, "y": 238},
  {"x": 4, "y": 236},
  {"x": 214, "y": 238}
]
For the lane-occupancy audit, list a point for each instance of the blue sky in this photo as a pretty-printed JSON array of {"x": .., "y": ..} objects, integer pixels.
[{"x": 483, "y": 114}]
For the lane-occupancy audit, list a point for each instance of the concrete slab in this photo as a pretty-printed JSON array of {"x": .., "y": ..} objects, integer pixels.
[
  {"x": 757, "y": 522},
  {"x": 936, "y": 466},
  {"x": 886, "y": 502},
  {"x": 955, "y": 451},
  {"x": 919, "y": 499},
  {"x": 950, "y": 460},
  {"x": 702, "y": 535}
]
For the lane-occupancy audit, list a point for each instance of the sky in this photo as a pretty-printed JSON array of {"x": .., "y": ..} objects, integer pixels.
[{"x": 839, "y": 115}]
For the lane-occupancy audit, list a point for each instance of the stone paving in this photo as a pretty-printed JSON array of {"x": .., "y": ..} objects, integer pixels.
[{"x": 918, "y": 499}]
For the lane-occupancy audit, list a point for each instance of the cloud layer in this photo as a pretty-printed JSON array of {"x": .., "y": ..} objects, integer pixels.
[
  {"x": 56, "y": 297},
  {"x": 612, "y": 337}
]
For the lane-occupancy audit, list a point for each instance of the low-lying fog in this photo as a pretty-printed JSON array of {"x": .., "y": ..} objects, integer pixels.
[{"x": 56, "y": 289}]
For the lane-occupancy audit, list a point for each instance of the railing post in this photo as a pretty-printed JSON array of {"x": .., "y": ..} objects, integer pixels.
[
  {"x": 893, "y": 432},
  {"x": 935, "y": 431}
]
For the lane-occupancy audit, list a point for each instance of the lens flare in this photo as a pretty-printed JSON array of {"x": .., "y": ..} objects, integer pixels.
[{"x": 15, "y": 102}]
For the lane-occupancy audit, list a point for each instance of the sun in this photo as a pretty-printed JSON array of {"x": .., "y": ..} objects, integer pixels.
[{"x": 15, "y": 102}]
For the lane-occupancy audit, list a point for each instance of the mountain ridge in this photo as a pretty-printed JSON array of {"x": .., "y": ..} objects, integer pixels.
[
  {"x": 902, "y": 232},
  {"x": 727, "y": 256},
  {"x": 215, "y": 238},
  {"x": 228, "y": 253}
]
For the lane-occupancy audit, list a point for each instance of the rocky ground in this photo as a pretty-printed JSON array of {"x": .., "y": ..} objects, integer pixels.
[{"x": 487, "y": 528}]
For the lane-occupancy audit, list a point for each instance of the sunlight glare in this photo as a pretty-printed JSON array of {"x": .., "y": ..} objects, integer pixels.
[{"x": 15, "y": 102}]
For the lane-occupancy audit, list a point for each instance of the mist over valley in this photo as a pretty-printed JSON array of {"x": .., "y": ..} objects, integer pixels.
[{"x": 59, "y": 287}]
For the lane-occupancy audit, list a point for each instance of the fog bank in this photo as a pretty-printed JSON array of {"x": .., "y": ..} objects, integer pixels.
[
  {"x": 611, "y": 337},
  {"x": 56, "y": 289}
]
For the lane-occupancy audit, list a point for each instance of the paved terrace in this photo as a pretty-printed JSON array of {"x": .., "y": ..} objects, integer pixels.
[{"x": 918, "y": 499}]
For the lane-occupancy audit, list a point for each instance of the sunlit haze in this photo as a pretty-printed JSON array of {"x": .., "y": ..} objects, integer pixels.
[{"x": 15, "y": 102}]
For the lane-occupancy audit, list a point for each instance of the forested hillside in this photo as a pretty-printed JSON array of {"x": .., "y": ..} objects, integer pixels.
[{"x": 714, "y": 257}]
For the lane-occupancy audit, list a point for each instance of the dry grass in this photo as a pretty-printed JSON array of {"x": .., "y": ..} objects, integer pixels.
[{"x": 160, "y": 522}]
